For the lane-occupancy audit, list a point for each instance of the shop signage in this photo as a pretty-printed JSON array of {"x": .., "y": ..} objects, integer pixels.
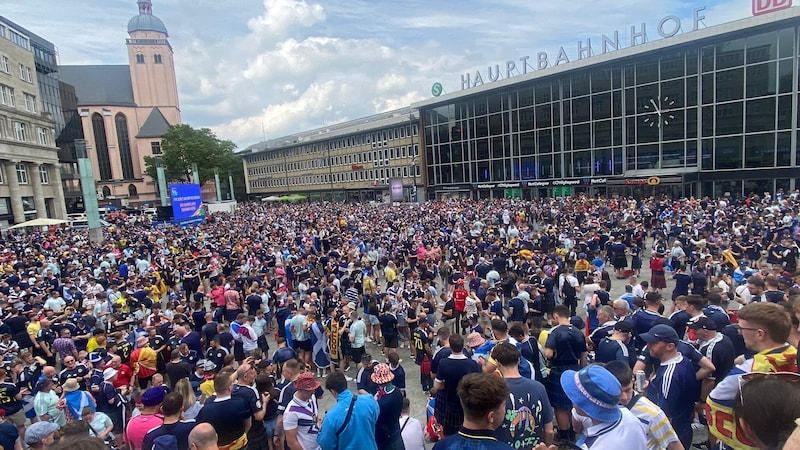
[
  {"x": 566, "y": 182},
  {"x": 356, "y": 167},
  {"x": 667, "y": 27},
  {"x": 496, "y": 185},
  {"x": 537, "y": 184}
]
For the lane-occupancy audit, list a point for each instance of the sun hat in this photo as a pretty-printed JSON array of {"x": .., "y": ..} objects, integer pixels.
[
  {"x": 595, "y": 391},
  {"x": 475, "y": 339},
  {"x": 351, "y": 305},
  {"x": 209, "y": 366},
  {"x": 38, "y": 431},
  {"x": 382, "y": 374},
  {"x": 153, "y": 396},
  {"x": 661, "y": 332},
  {"x": 109, "y": 373},
  {"x": 141, "y": 342},
  {"x": 306, "y": 382},
  {"x": 71, "y": 385}
]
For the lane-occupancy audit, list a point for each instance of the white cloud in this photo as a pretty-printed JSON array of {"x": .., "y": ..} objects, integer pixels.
[{"x": 284, "y": 66}]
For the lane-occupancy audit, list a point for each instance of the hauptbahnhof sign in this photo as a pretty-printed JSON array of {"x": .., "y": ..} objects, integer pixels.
[{"x": 667, "y": 27}]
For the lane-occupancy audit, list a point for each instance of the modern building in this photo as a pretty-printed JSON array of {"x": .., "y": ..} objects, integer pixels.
[
  {"x": 30, "y": 176},
  {"x": 375, "y": 158},
  {"x": 706, "y": 112},
  {"x": 126, "y": 109}
]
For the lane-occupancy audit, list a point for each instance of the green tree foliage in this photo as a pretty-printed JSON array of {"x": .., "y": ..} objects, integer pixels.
[{"x": 183, "y": 146}]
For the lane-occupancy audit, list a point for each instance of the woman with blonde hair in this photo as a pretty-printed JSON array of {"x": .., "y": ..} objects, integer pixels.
[{"x": 191, "y": 406}]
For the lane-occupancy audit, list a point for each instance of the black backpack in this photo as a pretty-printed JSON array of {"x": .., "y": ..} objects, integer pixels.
[
  {"x": 605, "y": 299},
  {"x": 568, "y": 290}
]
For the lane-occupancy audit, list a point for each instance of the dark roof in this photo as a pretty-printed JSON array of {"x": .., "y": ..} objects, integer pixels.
[
  {"x": 146, "y": 22},
  {"x": 100, "y": 85},
  {"x": 155, "y": 125}
]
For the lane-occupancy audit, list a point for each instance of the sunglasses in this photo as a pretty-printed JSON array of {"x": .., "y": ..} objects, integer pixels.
[
  {"x": 739, "y": 329},
  {"x": 791, "y": 377}
]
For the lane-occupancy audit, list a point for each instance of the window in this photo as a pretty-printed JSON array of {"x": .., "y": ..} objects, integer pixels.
[
  {"x": 19, "y": 39},
  {"x": 22, "y": 173},
  {"x": 6, "y": 95},
  {"x": 20, "y": 131},
  {"x": 132, "y": 191},
  {"x": 101, "y": 146},
  {"x": 30, "y": 103},
  {"x": 155, "y": 147},
  {"x": 41, "y": 134},
  {"x": 27, "y": 75},
  {"x": 4, "y": 66},
  {"x": 139, "y": 58},
  {"x": 124, "y": 146},
  {"x": 157, "y": 58},
  {"x": 44, "y": 176}
]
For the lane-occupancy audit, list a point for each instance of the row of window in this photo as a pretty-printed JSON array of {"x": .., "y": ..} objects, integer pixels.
[
  {"x": 23, "y": 132},
  {"x": 22, "y": 174},
  {"x": 377, "y": 139},
  {"x": 140, "y": 58},
  {"x": 102, "y": 147},
  {"x": 380, "y": 157},
  {"x": 7, "y": 99},
  {"x": 15, "y": 37},
  {"x": 375, "y": 176}
]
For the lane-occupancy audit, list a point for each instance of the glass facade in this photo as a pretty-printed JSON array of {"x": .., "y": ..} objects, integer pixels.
[{"x": 724, "y": 106}]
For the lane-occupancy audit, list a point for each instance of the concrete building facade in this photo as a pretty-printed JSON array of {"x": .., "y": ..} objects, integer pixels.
[{"x": 30, "y": 176}]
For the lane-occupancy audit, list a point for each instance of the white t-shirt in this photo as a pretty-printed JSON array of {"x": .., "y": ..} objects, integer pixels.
[
  {"x": 412, "y": 433},
  {"x": 299, "y": 410}
]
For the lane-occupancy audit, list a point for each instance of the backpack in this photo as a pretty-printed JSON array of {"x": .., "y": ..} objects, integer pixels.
[
  {"x": 567, "y": 289},
  {"x": 605, "y": 299},
  {"x": 165, "y": 442}
]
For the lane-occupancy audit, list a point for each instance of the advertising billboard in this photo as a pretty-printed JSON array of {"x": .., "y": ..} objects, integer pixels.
[
  {"x": 396, "y": 186},
  {"x": 187, "y": 201}
]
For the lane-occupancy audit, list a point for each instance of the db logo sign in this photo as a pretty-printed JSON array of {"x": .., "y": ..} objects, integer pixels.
[{"x": 767, "y": 6}]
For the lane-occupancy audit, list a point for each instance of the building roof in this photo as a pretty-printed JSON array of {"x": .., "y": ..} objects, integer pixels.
[
  {"x": 100, "y": 85},
  {"x": 155, "y": 126},
  {"x": 146, "y": 22}
]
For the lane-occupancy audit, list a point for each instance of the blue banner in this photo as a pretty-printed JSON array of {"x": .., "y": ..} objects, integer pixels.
[{"x": 187, "y": 201}]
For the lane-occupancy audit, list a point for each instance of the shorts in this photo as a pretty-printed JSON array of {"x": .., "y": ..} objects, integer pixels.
[
  {"x": 269, "y": 426},
  {"x": 304, "y": 345},
  {"x": 18, "y": 418},
  {"x": 373, "y": 320},
  {"x": 390, "y": 342},
  {"x": 356, "y": 353}
]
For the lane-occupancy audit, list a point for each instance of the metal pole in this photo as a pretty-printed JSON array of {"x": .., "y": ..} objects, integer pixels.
[
  {"x": 330, "y": 170},
  {"x": 413, "y": 158},
  {"x": 162, "y": 183},
  {"x": 195, "y": 173},
  {"x": 230, "y": 185}
]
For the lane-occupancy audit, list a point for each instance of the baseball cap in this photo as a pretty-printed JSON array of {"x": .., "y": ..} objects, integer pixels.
[
  {"x": 661, "y": 332},
  {"x": 705, "y": 323}
]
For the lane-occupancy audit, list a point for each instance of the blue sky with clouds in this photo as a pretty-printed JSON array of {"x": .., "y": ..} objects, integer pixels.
[{"x": 247, "y": 67}]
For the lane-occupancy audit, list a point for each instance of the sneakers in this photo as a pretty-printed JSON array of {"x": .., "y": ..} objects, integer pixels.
[
  {"x": 369, "y": 339},
  {"x": 349, "y": 379}
]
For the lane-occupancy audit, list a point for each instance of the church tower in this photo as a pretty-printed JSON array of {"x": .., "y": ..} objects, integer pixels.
[{"x": 151, "y": 63}]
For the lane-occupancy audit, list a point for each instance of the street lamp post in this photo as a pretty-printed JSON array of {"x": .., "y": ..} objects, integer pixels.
[{"x": 413, "y": 196}]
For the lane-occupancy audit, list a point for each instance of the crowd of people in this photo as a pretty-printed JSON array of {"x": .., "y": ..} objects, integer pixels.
[{"x": 222, "y": 335}]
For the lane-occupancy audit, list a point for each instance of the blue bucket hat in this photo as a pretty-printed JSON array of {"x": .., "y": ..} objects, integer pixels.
[{"x": 594, "y": 390}]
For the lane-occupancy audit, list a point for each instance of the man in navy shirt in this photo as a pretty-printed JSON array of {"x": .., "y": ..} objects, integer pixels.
[
  {"x": 450, "y": 371},
  {"x": 483, "y": 397},
  {"x": 674, "y": 388},
  {"x": 717, "y": 347}
]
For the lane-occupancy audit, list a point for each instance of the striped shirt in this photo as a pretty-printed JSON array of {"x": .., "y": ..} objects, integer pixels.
[{"x": 659, "y": 430}]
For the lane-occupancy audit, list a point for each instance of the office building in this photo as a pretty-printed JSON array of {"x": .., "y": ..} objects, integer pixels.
[
  {"x": 30, "y": 177},
  {"x": 360, "y": 160}
]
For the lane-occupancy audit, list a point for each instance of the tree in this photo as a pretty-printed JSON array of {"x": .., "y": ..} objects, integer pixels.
[{"x": 183, "y": 145}]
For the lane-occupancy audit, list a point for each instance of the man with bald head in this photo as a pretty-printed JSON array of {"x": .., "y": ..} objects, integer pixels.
[{"x": 203, "y": 437}]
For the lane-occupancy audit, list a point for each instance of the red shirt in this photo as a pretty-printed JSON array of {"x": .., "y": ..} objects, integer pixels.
[
  {"x": 124, "y": 375},
  {"x": 460, "y": 298}
]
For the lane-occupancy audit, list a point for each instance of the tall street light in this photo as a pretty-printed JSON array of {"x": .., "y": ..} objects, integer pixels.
[{"x": 413, "y": 196}]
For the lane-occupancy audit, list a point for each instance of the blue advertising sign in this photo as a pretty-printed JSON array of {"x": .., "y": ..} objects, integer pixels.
[{"x": 187, "y": 201}]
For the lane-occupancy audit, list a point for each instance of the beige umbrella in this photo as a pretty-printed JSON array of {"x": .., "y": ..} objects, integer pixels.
[{"x": 41, "y": 222}]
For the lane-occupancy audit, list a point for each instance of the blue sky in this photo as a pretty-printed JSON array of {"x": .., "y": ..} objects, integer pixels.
[{"x": 251, "y": 67}]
